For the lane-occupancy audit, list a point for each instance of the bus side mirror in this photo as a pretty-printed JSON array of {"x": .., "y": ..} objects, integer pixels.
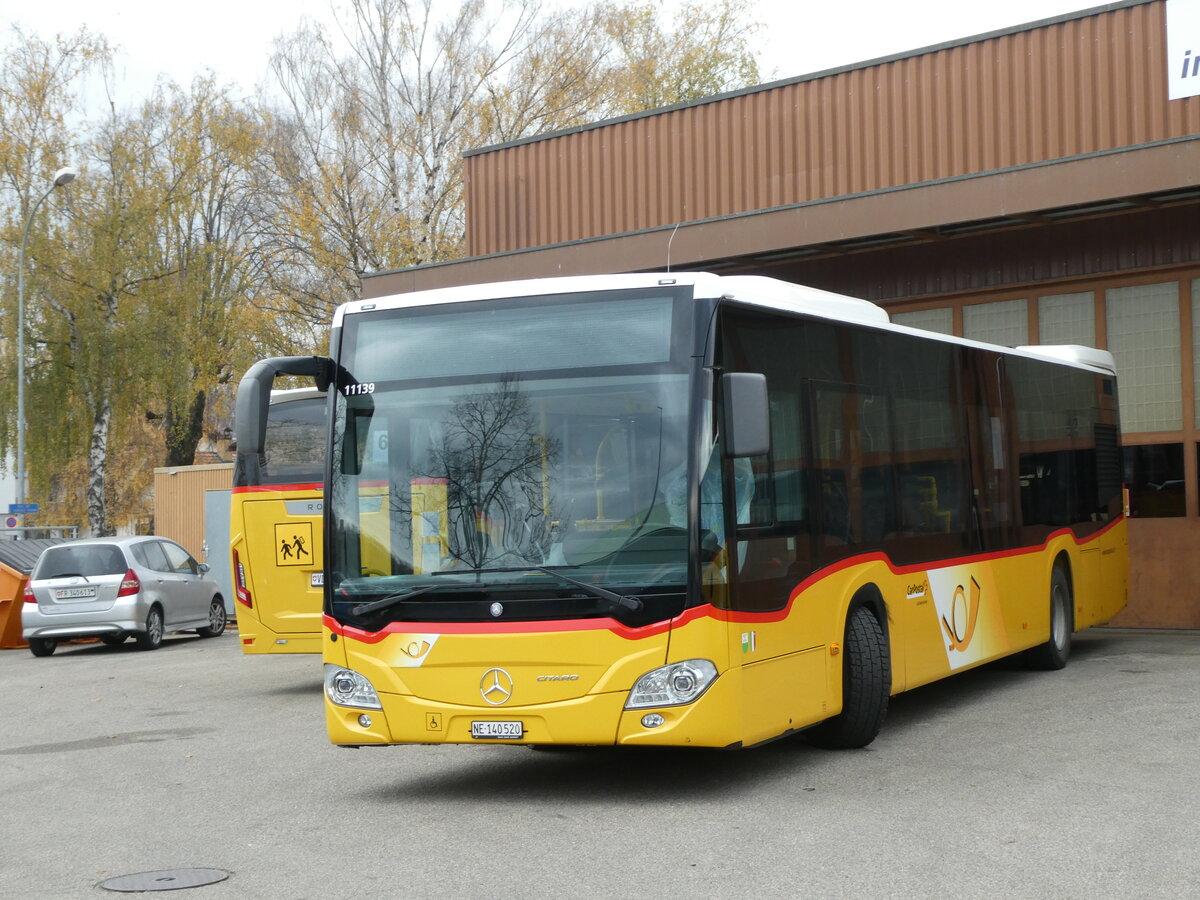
[
  {"x": 745, "y": 415},
  {"x": 254, "y": 394}
]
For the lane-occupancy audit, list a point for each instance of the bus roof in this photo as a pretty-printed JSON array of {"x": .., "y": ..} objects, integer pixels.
[
  {"x": 756, "y": 290},
  {"x": 1075, "y": 354},
  {"x": 284, "y": 395}
]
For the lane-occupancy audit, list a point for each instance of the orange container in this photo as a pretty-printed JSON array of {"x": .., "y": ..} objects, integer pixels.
[
  {"x": 17, "y": 559},
  {"x": 12, "y": 585}
]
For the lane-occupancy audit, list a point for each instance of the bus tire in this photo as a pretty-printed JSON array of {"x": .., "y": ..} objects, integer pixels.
[
  {"x": 866, "y": 685},
  {"x": 1053, "y": 654}
]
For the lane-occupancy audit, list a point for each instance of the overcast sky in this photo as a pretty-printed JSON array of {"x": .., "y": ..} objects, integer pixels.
[{"x": 233, "y": 37}]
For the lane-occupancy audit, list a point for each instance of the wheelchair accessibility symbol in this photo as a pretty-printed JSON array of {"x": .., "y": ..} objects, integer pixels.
[{"x": 294, "y": 544}]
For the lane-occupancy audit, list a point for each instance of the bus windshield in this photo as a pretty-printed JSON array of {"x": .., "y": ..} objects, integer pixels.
[{"x": 512, "y": 447}]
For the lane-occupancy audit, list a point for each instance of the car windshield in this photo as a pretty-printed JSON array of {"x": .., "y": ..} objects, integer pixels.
[
  {"x": 88, "y": 561},
  {"x": 455, "y": 467}
]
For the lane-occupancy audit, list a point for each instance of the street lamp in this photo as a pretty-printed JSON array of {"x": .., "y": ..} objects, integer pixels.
[{"x": 61, "y": 177}]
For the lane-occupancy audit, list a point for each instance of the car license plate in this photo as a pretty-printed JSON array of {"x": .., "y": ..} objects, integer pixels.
[
  {"x": 78, "y": 593},
  {"x": 497, "y": 731}
]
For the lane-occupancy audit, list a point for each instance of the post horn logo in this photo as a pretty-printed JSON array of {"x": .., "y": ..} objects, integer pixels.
[
  {"x": 416, "y": 649},
  {"x": 963, "y": 615},
  {"x": 496, "y": 686}
]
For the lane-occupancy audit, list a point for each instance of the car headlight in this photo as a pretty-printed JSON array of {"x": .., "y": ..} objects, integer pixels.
[
  {"x": 345, "y": 687},
  {"x": 680, "y": 682}
]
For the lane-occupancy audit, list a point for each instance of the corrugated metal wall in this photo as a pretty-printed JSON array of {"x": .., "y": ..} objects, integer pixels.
[
  {"x": 974, "y": 263},
  {"x": 1072, "y": 87},
  {"x": 179, "y": 501}
]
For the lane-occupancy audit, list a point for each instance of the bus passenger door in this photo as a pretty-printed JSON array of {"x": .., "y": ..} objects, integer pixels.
[{"x": 782, "y": 654}]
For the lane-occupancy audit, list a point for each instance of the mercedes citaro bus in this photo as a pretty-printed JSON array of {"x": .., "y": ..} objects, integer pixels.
[{"x": 692, "y": 510}]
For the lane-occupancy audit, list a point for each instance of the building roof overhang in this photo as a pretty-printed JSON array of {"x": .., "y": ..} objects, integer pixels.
[{"x": 1105, "y": 183}]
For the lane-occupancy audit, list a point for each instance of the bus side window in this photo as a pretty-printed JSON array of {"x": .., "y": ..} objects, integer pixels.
[{"x": 853, "y": 445}]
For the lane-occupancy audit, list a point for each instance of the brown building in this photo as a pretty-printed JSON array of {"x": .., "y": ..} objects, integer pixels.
[{"x": 1032, "y": 185}]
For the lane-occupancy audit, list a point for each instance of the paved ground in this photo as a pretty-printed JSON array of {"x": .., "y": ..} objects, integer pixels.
[{"x": 997, "y": 783}]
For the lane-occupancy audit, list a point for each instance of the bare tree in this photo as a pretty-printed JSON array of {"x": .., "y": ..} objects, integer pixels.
[{"x": 366, "y": 148}]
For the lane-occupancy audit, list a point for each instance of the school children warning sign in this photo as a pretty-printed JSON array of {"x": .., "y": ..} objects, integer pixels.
[{"x": 294, "y": 544}]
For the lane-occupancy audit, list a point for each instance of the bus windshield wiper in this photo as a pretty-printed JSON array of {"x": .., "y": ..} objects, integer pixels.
[
  {"x": 391, "y": 600},
  {"x": 621, "y": 601}
]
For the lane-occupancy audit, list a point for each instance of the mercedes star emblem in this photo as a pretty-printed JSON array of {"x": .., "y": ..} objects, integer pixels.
[{"x": 496, "y": 686}]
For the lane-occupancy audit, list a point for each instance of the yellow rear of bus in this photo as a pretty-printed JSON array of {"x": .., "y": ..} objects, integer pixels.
[{"x": 276, "y": 530}]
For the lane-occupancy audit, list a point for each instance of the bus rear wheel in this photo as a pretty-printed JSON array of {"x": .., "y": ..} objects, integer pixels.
[
  {"x": 866, "y": 684},
  {"x": 1053, "y": 654}
]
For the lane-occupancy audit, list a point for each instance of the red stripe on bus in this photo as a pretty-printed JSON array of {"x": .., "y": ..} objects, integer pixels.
[
  {"x": 543, "y": 627},
  {"x": 278, "y": 488},
  {"x": 705, "y": 610},
  {"x": 878, "y": 556}
]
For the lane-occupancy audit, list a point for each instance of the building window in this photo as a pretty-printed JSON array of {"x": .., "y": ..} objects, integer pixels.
[
  {"x": 939, "y": 320},
  {"x": 1005, "y": 323},
  {"x": 1196, "y": 344},
  {"x": 1143, "y": 335},
  {"x": 1067, "y": 319},
  {"x": 1154, "y": 476}
]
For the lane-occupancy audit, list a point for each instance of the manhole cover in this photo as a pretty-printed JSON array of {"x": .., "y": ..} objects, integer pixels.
[{"x": 166, "y": 880}]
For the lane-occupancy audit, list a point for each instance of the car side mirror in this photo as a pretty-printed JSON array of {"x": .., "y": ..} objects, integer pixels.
[{"x": 203, "y": 567}]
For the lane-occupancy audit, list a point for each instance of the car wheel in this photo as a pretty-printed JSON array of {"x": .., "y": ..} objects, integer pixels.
[
  {"x": 216, "y": 619},
  {"x": 866, "y": 685},
  {"x": 153, "y": 635},
  {"x": 42, "y": 646},
  {"x": 114, "y": 640}
]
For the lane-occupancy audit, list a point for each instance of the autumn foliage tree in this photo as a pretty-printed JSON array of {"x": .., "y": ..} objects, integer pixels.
[{"x": 207, "y": 230}]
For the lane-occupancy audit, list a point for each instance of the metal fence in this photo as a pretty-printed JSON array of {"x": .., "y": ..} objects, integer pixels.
[{"x": 29, "y": 532}]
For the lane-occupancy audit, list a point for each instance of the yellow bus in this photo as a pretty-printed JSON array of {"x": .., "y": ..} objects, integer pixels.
[
  {"x": 275, "y": 522},
  {"x": 691, "y": 510}
]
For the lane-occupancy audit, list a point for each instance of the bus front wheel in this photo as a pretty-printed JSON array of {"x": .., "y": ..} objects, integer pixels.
[
  {"x": 866, "y": 684},
  {"x": 1053, "y": 654}
]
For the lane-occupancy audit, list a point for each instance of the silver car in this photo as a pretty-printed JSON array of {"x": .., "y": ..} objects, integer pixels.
[{"x": 111, "y": 588}]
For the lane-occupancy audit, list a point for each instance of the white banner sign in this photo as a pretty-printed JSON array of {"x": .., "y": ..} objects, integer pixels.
[{"x": 1183, "y": 48}]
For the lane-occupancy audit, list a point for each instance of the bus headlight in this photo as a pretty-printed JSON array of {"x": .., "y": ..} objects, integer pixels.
[
  {"x": 680, "y": 682},
  {"x": 345, "y": 687}
]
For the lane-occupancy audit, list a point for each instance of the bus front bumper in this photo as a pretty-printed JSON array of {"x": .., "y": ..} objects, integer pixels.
[{"x": 594, "y": 719}]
